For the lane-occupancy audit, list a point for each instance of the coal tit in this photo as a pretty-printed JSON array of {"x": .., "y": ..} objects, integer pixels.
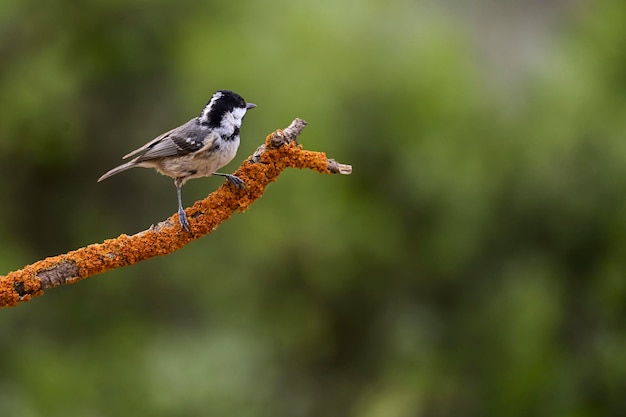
[{"x": 195, "y": 149}]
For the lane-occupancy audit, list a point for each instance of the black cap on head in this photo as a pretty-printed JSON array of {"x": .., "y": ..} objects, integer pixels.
[{"x": 222, "y": 102}]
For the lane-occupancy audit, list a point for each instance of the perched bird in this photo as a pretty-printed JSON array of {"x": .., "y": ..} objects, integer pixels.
[{"x": 195, "y": 149}]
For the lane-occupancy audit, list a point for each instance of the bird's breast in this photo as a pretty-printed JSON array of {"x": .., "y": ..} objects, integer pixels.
[
  {"x": 220, "y": 153},
  {"x": 200, "y": 164}
]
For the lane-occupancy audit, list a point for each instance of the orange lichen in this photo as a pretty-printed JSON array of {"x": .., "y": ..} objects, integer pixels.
[{"x": 279, "y": 152}]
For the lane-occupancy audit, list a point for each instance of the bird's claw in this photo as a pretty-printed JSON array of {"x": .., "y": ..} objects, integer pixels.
[
  {"x": 182, "y": 218},
  {"x": 236, "y": 181}
]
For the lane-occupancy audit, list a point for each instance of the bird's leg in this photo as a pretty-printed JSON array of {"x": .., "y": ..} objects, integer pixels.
[
  {"x": 182, "y": 216},
  {"x": 233, "y": 179}
]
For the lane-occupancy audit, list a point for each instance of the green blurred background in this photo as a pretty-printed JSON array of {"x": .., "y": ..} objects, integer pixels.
[{"x": 472, "y": 265}]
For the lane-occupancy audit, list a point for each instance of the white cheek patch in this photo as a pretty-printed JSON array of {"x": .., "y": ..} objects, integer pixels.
[{"x": 234, "y": 118}]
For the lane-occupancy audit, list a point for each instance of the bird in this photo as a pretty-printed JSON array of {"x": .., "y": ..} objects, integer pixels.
[{"x": 195, "y": 149}]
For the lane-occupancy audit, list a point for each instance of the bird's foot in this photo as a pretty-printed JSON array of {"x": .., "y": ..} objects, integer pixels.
[
  {"x": 182, "y": 218},
  {"x": 236, "y": 181},
  {"x": 233, "y": 179}
]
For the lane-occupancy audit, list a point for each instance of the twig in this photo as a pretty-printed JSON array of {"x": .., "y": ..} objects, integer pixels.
[{"x": 280, "y": 150}]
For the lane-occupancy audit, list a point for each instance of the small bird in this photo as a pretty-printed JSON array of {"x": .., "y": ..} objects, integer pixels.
[{"x": 195, "y": 149}]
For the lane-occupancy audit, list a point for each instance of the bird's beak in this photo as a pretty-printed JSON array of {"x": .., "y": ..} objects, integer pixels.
[{"x": 250, "y": 106}]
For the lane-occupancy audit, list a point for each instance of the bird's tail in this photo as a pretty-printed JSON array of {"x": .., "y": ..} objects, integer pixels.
[{"x": 117, "y": 170}]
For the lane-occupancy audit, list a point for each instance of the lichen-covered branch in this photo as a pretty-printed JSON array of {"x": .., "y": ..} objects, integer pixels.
[{"x": 280, "y": 150}]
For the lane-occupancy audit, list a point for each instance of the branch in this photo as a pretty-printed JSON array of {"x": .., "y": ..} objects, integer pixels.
[{"x": 280, "y": 150}]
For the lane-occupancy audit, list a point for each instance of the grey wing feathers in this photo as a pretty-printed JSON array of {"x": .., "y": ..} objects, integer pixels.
[
  {"x": 148, "y": 145},
  {"x": 182, "y": 140}
]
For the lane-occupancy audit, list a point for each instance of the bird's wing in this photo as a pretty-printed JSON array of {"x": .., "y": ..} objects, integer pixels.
[
  {"x": 150, "y": 144},
  {"x": 182, "y": 140}
]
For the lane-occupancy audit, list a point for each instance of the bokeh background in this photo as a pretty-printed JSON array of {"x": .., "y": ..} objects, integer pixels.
[{"x": 472, "y": 265}]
